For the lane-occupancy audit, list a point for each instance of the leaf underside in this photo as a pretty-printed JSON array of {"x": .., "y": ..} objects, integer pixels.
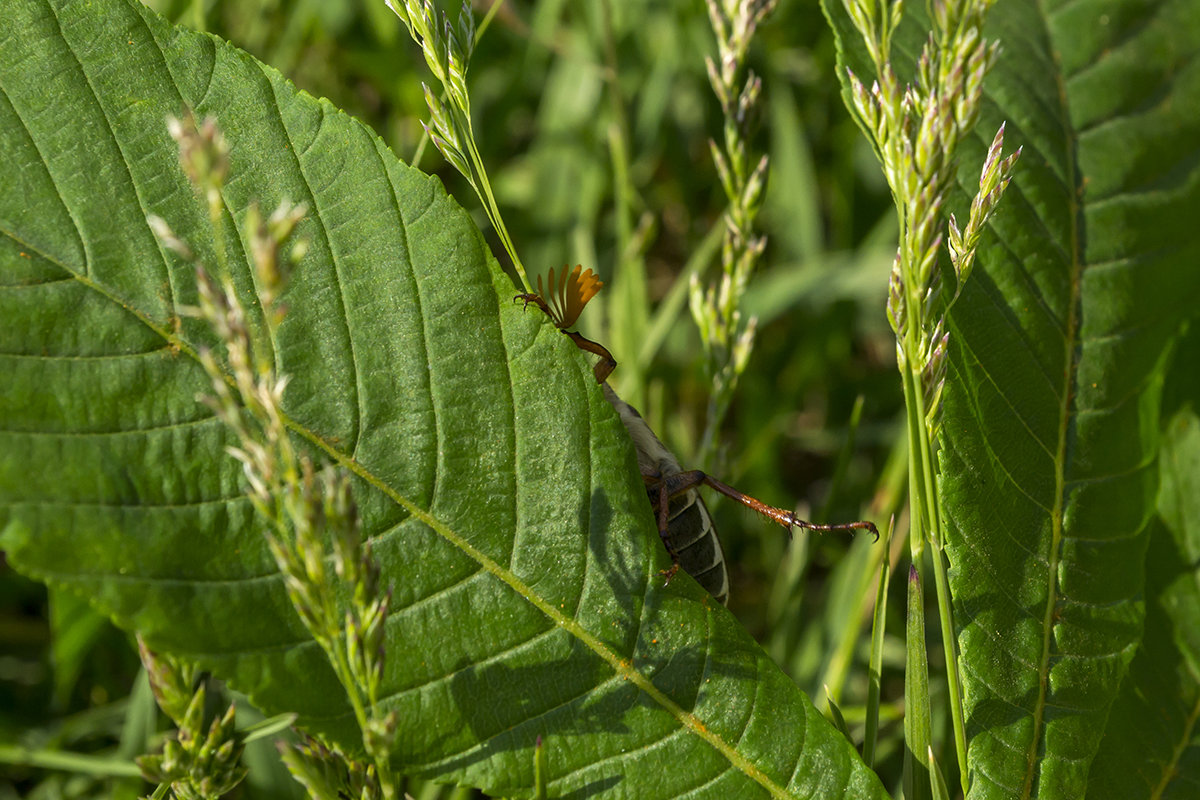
[
  {"x": 499, "y": 489},
  {"x": 1059, "y": 347},
  {"x": 1150, "y": 747}
]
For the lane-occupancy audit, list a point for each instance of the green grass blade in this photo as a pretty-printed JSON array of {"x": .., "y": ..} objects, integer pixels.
[
  {"x": 918, "y": 729},
  {"x": 878, "y": 625}
]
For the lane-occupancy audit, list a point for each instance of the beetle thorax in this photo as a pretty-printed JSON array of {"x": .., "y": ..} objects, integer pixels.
[{"x": 653, "y": 456}]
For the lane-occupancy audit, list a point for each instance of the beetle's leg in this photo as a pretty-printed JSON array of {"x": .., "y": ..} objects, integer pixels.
[
  {"x": 663, "y": 508},
  {"x": 605, "y": 365},
  {"x": 536, "y": 299},
  {"x": 679, "y": 483}
]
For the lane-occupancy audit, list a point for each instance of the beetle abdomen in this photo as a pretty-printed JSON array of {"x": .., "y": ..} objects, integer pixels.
[
  {"x": 693, "y": 538},
  {"x": 690, "y": 536}
]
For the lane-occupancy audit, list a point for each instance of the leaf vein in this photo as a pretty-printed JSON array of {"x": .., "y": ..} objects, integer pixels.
[
  {"x": 475, "y": 664},
  {"x": 978, "y": 415},
  {"x": 335, "y": 262},
  {"x": 624, "y": 754}
]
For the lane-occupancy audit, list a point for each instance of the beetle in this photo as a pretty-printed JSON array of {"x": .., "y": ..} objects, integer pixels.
[{"x": 684, "y": 523}]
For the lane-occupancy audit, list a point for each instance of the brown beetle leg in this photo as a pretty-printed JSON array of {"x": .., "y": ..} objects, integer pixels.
[
  {"x": 536, "y": 299},
  {"x": 605, "y": 365},
  {"x": 677, "y": 484},
  {"x": 662, "y": 515}
]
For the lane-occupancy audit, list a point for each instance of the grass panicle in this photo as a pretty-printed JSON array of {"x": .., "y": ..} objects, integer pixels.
[
  {"x": 916, "y": 130},
  {"x": 198, "y": 762},
  {"x": 726, "y": 333},
  {"x": 303, "y": 509},
  {"x": 447, "y": 48}
]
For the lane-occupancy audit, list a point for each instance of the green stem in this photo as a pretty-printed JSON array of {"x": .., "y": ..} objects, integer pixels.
[
  {"x": 387, "y": 783},
  {"x": 950, "y": 644},
  {"x": 927, "y": 528},
  {"x": 718, "y": 405},
  {"x": 917, "y": 486},
  {"x": 422, "y": 143},
  {"x": 486, "y": 22},
  {"x": 341, "y": 665},
  {"x": 197, "y": 13},
  {"x": 484, "y": 189}
]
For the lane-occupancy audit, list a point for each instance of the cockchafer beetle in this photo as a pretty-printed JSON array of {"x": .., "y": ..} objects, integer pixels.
[{"x": 684, "y": 524}]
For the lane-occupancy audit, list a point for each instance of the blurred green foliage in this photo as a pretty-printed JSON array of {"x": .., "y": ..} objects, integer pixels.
[{"x": 558, "y": 88}]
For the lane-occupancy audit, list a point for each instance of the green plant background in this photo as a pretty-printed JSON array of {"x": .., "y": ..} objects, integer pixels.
[{"x": 554, "y": 85}]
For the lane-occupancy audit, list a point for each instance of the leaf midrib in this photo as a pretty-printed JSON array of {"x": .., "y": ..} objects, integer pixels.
[{"x": 1066, "y": 398}]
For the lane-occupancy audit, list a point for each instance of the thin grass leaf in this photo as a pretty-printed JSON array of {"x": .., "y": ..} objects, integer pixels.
[{"x": 918, "y": 730}]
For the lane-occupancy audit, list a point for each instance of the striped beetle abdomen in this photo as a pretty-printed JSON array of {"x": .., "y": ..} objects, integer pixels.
[{"x": 690, "y": 536}]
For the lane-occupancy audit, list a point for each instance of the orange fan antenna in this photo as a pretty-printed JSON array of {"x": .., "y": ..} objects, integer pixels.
[{"x": 569, "y": 294}]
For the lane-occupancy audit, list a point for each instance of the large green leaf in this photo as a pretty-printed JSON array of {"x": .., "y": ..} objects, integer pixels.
[
  {"x": 497, "y": 484},
  {"x": 1149, "y": 749},
  {"x": 1058, "y": 351}
]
